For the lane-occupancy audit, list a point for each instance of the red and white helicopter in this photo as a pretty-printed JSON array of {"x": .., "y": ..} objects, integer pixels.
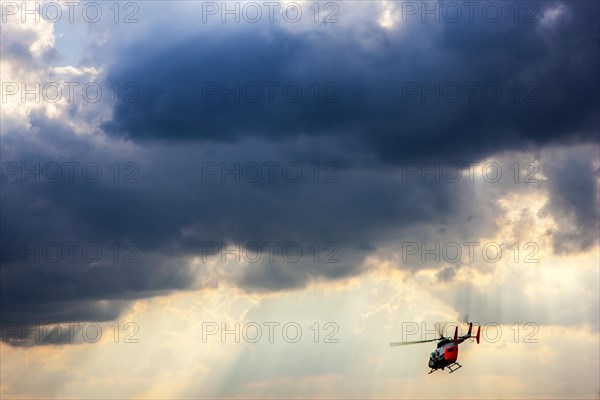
[{"x": 446, "y": 353}]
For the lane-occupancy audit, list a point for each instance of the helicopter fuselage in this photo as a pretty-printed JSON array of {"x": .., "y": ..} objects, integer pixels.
[{"x": 444, "y": 355}]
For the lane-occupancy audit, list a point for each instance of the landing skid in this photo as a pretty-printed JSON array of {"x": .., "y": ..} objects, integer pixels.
[{"x": 454, "y": 367}]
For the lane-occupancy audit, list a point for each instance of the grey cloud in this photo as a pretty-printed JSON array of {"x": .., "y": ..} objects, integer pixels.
[
  {"x": 573, "y": 183},
  {"x": 368, "y": 133},
  {"x": 560, "y": 105}
]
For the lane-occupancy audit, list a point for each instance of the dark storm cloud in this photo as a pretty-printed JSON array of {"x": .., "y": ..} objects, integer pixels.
[
  {"x": 573, "y": 183},
  {"x": 48, "y": 274},
  {"x": 554, "y": 64},
  {"x": 170, "y": 211}
]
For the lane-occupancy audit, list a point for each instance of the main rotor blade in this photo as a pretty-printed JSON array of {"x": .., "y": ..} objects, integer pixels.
[{"x": 394, "y": 344}]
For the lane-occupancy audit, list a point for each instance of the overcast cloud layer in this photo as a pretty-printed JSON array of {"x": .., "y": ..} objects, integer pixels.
[
  {"x": 369, "y": 127},
  {"x": 351, "y": 177}
]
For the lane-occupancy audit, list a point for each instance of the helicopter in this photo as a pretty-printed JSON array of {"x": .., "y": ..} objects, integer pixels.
[{"x": 446, "y": 353}]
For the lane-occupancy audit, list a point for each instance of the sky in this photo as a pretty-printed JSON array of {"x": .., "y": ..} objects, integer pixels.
[{"x": 252, "y": 199}]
